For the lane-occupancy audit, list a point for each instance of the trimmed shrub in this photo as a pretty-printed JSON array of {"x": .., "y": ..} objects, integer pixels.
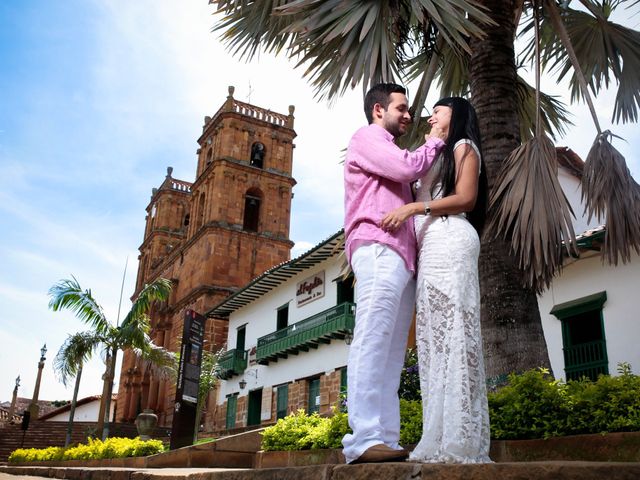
[
  {"x": 113, "y": 447},
  {"x": 300, "y": 431}
]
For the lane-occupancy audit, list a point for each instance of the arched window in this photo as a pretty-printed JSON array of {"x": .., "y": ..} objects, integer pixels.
[
  {"x": 257, "y": 155},
  {"x": 209, "y": 156},
  {"x": 252, "y": 202},
  {"x": 185, "y": 222}
]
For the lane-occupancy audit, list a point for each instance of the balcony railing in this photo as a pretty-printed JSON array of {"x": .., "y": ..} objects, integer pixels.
[
  {"x": 232, "y": 362},
  {"x": 586, "y": 360},
  {"x": 336, "y": 322}
]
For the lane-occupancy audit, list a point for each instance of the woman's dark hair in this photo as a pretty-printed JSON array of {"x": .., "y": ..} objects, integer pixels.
[{"x": 463, "y": 124}]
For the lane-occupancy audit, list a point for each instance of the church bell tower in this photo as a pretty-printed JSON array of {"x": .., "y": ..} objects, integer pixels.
[{"x": 213, "y": 236}]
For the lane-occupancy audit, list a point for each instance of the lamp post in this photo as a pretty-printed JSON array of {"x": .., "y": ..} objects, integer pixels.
[
  {"x": 12, "y": 408},
  {"x": 34, "y": 409}
]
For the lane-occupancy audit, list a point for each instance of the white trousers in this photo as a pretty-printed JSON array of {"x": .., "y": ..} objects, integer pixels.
[{"x": 385, "y": 299}]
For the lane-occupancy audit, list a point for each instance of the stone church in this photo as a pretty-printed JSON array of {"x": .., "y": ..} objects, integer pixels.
[{"x": 212, "y": 236}]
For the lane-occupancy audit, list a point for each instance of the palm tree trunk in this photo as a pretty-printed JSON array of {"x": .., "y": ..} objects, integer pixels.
[
  {"x": 72, "y": 410},
  {"x": 103, "y": 399},
  {"x": 112, "y": 371},
  {"x": 511, "y": 327}
]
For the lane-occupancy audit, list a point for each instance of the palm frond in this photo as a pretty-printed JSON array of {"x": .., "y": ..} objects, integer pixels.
[
  {"x": 553, "y": 115},
  {"x": 74, "y": 353},
  {"x": 529, "y": 206},
  {"x": 248, "y": 26},
  {"x": 609, "y": 190},
  {"x": 136, "y": 325},
  {"x": 453, "y": 77},
  {"x": 67, "y": 294},
  {"x": 605, "y": 51},
  {"x": 341, "y": 44},
  {"x": 161, "y": 362}
]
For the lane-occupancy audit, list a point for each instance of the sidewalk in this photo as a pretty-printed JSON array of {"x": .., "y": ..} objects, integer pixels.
[{"x": 385, "y": 471}]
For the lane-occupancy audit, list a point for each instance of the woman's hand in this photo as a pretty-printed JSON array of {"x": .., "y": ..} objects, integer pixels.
[{"x": 392, "y": 220}]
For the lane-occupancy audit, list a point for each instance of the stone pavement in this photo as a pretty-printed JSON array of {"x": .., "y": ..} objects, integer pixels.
[{"x": 386, "y": 471}]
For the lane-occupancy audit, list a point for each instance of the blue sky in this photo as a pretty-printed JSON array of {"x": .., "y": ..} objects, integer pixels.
[{"x": 97, "y": 98}]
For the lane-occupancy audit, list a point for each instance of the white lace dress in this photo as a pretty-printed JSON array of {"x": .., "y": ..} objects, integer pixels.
[{"x": 451, "y": 366}]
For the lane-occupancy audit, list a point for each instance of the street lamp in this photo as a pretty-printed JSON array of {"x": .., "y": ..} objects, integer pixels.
[
  {"x": 243, "y": 383},
  {"x": 34, "y": 409},
  {"x": 12, "y": 409}
]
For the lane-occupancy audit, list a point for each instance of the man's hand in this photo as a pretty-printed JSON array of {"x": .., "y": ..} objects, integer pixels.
[{"x": 436, "y": 132}]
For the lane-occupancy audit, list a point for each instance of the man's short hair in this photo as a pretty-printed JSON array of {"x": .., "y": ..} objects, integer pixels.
[{"x": 380, "y": 93}]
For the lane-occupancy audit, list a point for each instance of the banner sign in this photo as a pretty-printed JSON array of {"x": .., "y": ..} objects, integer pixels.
[
  {"x": 184, "y": 415},
  {"x": 310, "y": 289}
]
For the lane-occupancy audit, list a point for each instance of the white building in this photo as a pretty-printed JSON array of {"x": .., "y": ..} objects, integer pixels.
[
  {"x": 289, "y": 328},
  {"x": 287, "y": 339},
  {"x": 87, "y": 410}
]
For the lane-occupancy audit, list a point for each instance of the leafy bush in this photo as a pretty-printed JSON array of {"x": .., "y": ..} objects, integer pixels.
[
  {"x": 410, "y": 421},
  {"x": 113, "y": 447},
  {"x": 532, "y": 405},
  {"x": 300, "y": 431},
  {"x": 611, "y": 404}
]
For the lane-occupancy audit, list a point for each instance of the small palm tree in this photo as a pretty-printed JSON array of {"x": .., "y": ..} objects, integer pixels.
[
  {"x": 68, "y": 363},
  {"x": 132, "y": 333}
]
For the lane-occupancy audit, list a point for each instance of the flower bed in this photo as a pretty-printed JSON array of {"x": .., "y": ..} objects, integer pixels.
[{"x": 95, "y": 449}]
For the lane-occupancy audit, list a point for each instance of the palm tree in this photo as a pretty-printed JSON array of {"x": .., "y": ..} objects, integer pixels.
[
  {"x": 132, "y": 333},
  {"x": 68, "y": 363},
  {"x": 468, "y": 46}
]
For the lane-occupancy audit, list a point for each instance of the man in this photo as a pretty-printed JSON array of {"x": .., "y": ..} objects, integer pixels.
[{"x": 377, "y": 175}]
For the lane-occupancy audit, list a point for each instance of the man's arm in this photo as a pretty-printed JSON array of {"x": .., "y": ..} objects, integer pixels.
[{"x": 381, "y": 157}]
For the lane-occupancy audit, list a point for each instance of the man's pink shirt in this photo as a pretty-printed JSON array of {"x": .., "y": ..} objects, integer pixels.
[{"x": 377, "y": 177}]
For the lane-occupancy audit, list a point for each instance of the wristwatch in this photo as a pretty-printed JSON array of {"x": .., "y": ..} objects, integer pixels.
[{"x": 427, "y": 209}]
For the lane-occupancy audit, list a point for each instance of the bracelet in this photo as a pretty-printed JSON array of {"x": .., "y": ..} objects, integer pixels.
[{"x": 427, "y": 209}]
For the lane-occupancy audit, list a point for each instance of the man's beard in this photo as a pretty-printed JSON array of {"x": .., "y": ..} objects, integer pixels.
[{"x": 396, "y": 129}]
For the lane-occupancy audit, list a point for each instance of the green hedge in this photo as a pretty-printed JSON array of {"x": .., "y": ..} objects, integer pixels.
[
  {"x": 531, "y": 405},
  {"x": 534, "y": 405},
  {"x": 95, "y": 449}
]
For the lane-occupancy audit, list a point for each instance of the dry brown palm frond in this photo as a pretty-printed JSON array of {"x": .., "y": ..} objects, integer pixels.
[
  {"x": 345, "y": 268},
  {"x": 530, "y": 207},
  {"x": 609, "y": 190}
]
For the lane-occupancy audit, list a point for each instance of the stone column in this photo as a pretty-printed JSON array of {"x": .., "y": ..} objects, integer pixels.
[
  {"x": 34, "y": 408},
  {"x": 12, "y": 408}
]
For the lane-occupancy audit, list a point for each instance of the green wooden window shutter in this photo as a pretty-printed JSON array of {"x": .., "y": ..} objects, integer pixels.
[
  {"x": 282, "y": 402},
  {"x": 232, "y": 403}
]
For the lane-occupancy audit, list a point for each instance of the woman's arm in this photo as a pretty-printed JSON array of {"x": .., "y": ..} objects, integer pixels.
[{"x": 461, "y": 200}]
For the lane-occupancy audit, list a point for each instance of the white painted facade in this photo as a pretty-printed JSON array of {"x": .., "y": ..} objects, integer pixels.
[
  {"x": 589, "y": 275},
  {"x": 260, "y": 319},
  {"x": 620, "y": 313},
  {"x": 85, "y": 412}
]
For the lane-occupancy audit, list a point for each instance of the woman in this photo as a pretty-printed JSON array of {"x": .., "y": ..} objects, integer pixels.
[{"x": 449, "y": 216}]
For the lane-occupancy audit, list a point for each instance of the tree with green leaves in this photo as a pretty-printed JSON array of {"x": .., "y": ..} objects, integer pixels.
[
  {"x": 132, "y": 333},
  {"x": 469, "y": 48},
  {"x": 76, "y": 350}
]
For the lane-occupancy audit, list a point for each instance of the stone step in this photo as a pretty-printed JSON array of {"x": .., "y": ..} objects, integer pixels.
[{"x": 386, "y": 471}]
